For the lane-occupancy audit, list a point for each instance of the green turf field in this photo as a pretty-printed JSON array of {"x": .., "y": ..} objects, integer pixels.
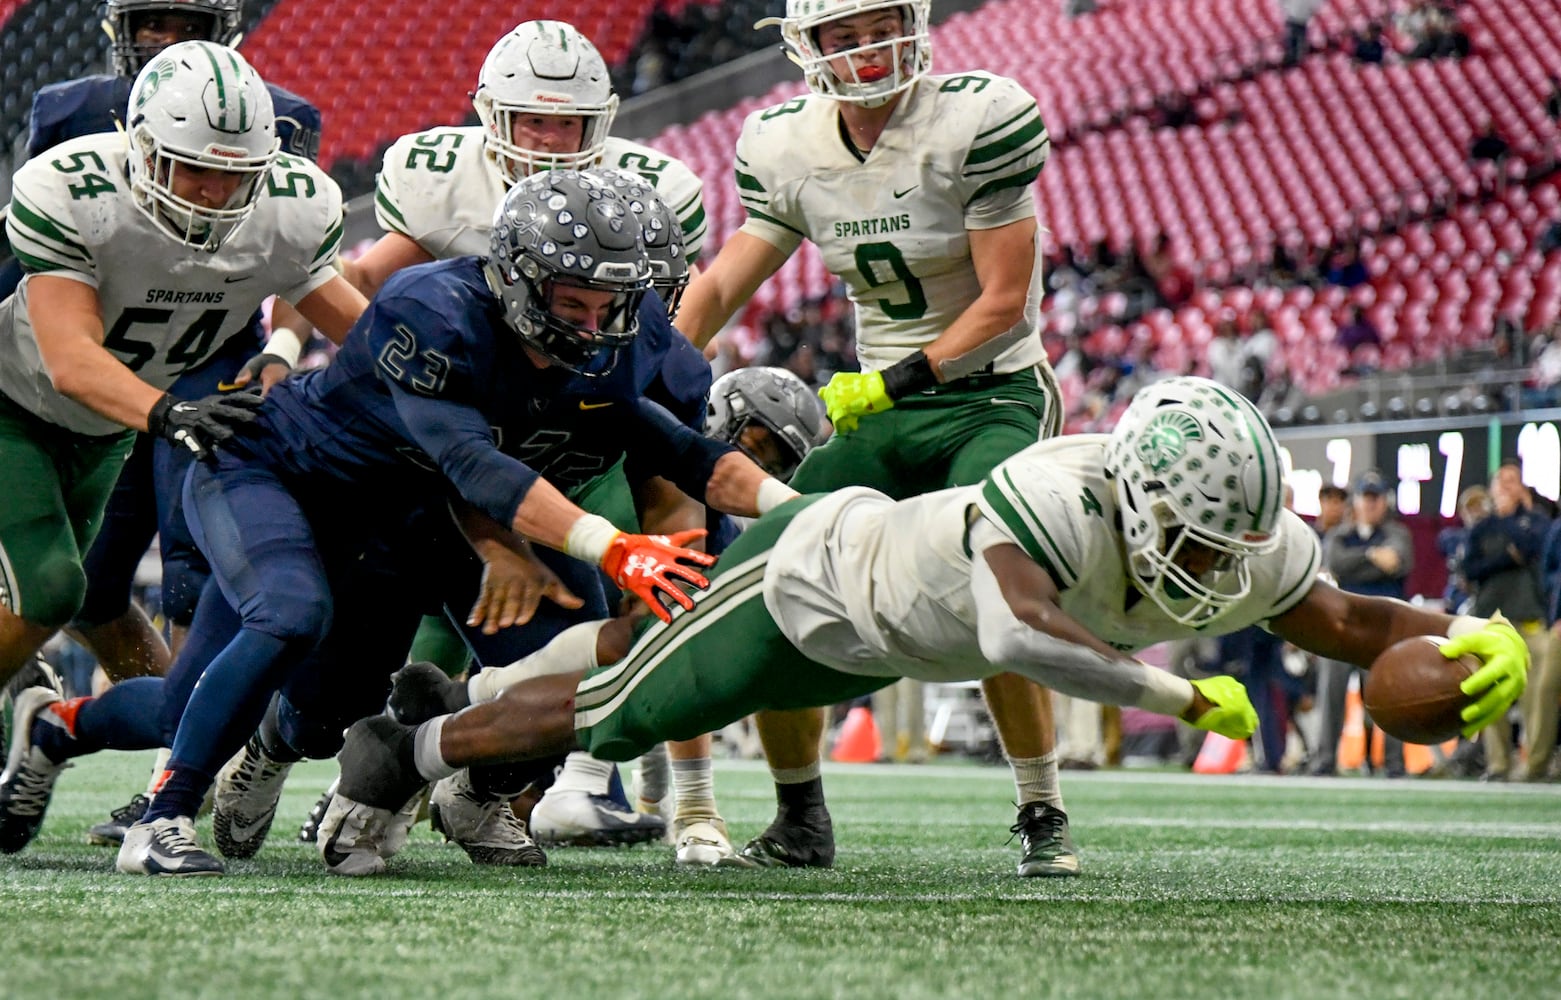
[{"x": 1193, "y": 887}]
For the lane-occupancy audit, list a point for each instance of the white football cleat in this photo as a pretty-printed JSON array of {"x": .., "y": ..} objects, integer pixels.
[
  {"x": 165, "y": 847},
  {"x": 355, "y": 839},
  {"x": 485, "y": 828},
  {"x": 244, "y": 800},
  {"x": 581, "y": 819},
  {"x": 703, "y": 844}
]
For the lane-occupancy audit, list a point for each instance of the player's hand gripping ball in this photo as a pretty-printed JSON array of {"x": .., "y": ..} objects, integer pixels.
[{"x": 1413, "y": 692}]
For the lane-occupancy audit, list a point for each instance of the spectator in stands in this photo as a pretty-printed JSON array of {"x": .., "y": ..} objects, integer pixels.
[
  {"x": 1361, "y": 338},
  {"x": 1433, "y": 31},
  {"x": 1224, "y": 353},
  {"x": 1371, "y": 554},
  {"x": 1333, "y": 506},
  {"x": 1298, "y": 14},
  {"x": 1369, "y": 47},
  {"x": 1174, "y": 281},
  {"x": 1344, "y": 266},
  {"x": 1453, "y": 541},
  {"x": 1503, "y": 563}
]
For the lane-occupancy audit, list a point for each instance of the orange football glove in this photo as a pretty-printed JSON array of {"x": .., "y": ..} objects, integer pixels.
[{"x": 647, "y": 566}]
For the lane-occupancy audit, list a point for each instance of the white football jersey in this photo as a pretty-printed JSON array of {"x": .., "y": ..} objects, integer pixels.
[
  {"x": 166, "y": 306},
  {"x": 870, "y": 586},
  {"x": 440, "y": 189},
  {"x": 959, "y": 153}
]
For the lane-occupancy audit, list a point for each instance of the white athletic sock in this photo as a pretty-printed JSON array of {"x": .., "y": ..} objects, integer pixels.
[
  {"x": 693, "y": 781},
  {"x": 584, "y": 773},
  {"x": 425, "y": 750},
  {"x": 572, "y": 649},
  {"x": 1035, "y": 779},
  {"x": 795, "y": 775},
  {"x": 159, "y": 765}
]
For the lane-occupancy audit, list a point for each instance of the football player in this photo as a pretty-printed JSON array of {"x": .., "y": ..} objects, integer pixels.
[
  {"x": 1071, "y": 554},
  {"x": 770, "y": 414},
  {"x": 147, "y": 251},
  {"x": 545, "y": 102},
  {"x": 146, "y": 499},
  {"x": 481, "y": 375},
  {"x": 916, "y": 190}
]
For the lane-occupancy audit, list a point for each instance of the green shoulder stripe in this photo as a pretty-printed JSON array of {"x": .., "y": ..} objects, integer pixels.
[
  {"x": 694, "y": 222},
  {"x": 388, "y": 209},
  {"x": 332, "y": 244},
  {"x": 1003, "y": 500},
  {"x": 1009, "y": 143},
  {"x": 48, "y": 229},
  {"x": 772, "y": 219},
  {"x": 1021, "y": 179}
]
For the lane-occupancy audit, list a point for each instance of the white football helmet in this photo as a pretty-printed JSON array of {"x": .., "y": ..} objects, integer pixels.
[
  {"x": 1195, "y": 464},
  {"x": 543, "y": 68},
  {"x": 199, "y": 105},
  {"x": 122, "y": 17},
  {"x": 912, "y": 47}
]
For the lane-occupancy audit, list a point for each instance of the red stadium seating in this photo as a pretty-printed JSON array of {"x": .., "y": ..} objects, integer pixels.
[{"x": 406, "y": 73}]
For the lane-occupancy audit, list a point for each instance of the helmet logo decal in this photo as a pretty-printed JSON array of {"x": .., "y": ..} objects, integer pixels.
[
  {"x": 1164, "y": 440},
  {"x": 155, "y": 77}
]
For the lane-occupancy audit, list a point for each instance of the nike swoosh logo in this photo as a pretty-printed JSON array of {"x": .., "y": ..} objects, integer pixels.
[
  {"x": 230, "y": 279},
  {"x": 902, "y": 194},
  {"x": 244, "y": 830},
  {"x": 228, "y": 386},
  {"x": 592, "y": 406}
]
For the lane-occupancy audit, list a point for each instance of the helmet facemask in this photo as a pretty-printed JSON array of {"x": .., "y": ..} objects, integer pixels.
[
  {"x": 839, "y": 75},
  {"x": 543, "y": 68},
  {"x": 1158, "y": 568},
  {"x": 123, "y": 17}
]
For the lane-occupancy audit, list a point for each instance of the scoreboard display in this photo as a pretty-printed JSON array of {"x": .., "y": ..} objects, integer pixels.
[{"x": 1429, "y": 461}]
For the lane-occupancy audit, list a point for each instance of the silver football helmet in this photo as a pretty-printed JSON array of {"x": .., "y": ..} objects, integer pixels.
[
  {"x": 910, "y": 48},
  {"x": 777, "y": 401},
  {"x": 543, "y": 68},
  {"x": 199, "y": 106},
  {"x": 663, "y": 235},
  {"x": 1195, "y": 465},
  {"x": 568, "y": 229},
  {"x": 122, "y": 17}
]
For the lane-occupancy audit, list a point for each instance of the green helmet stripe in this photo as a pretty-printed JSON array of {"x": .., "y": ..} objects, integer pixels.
[{"x": 225, "y": 111}]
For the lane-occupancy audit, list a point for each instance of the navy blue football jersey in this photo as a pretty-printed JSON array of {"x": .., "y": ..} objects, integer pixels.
[
  {"x": 433, "y": 386},
  {"x": 94, "y": 104}
]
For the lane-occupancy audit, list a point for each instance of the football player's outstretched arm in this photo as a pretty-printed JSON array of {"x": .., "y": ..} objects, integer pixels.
[
  {"x": 744, "y": 263},
  {"x": 1355, "y": 628},
  {"x": 1004, "y": 259},
  {"x": 68, "y": 323},
  {"x": 1024, "y": 629}
]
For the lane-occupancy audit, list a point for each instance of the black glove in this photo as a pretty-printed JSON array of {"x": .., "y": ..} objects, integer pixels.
[
  {"x": 202, "y": 424},
  {"x": 250, "y": 373},
  {"x": 421, "y": 691}
]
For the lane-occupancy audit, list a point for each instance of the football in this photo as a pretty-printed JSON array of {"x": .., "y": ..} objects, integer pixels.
[{"x": 1412, "y": 690}]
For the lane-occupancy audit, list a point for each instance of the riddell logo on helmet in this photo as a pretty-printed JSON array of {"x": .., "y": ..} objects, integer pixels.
[{"x": 543, "y": 98}]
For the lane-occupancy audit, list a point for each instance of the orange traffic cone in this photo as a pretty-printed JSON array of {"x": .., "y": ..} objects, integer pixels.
[
  {"x": 1219, "y": 755},
  {"x": 858, "y": 739}
]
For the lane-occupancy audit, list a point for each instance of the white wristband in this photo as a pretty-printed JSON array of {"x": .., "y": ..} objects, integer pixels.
[
  {"x": 589, "y": 537},
  {"x": 773, "y": 493},
  {"x": 285, "y": 344}
]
